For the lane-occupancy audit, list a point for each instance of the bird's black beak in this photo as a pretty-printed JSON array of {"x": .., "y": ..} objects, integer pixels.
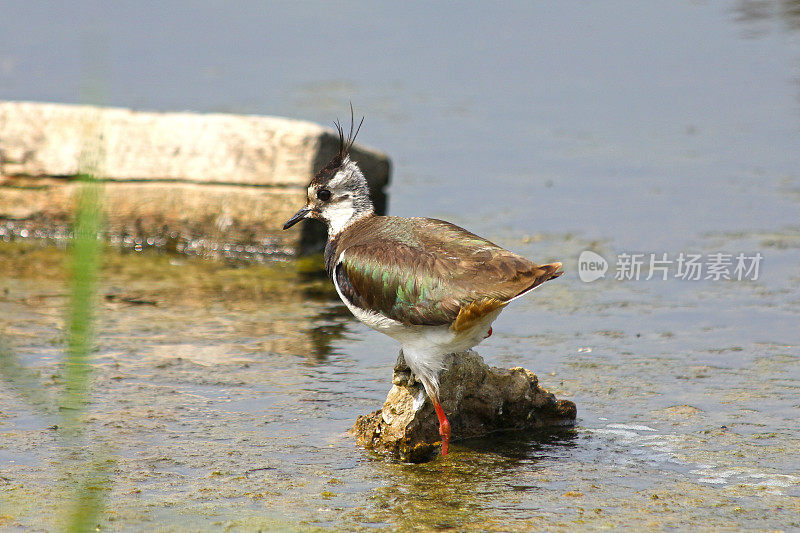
[{"x": 297, "y": 217}]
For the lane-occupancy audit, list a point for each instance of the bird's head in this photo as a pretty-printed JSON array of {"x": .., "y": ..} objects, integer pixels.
[{"x": 338, "y": 195}]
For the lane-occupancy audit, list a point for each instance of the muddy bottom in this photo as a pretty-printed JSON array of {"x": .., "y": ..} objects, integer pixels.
[{"x": 222, "y": 396}]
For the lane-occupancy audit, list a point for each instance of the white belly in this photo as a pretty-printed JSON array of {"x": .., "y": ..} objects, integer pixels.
[{"x": 424, "y": 347}]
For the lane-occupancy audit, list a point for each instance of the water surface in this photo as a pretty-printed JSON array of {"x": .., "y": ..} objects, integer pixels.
[{"x": 225, "y": 398}]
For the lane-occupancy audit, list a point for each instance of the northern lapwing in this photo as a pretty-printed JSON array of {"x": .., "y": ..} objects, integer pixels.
[{"x": 431, "y": 285}]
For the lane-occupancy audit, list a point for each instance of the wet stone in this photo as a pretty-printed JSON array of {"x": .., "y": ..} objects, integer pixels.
[
  {"x": 210, "y": 184},
  {"x": 477, "y": 399}
]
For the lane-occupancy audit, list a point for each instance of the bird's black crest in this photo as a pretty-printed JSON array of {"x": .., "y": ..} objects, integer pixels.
[{"x": 327, "y": 172}]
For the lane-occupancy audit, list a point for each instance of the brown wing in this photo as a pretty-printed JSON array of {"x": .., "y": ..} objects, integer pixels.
[{"x": 427, "y": 271}]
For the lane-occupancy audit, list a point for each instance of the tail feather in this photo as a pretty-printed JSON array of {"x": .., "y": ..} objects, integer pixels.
[
  {"x": 542, "y": 273},
  {"x": 474, "y": 311}
]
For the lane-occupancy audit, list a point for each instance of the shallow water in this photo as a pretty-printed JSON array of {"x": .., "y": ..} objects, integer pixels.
[{"x": 223, "y": 397}]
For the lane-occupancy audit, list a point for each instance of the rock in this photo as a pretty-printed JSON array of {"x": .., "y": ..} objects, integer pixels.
[
  {"x": 158, "y": 167},
  {"x": 477, "y": 399}
]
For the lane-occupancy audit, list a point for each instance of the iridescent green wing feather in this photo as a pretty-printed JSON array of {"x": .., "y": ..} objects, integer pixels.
[
  {"x": 425, "y": 271},
  {"x": 373, "y": 277}
]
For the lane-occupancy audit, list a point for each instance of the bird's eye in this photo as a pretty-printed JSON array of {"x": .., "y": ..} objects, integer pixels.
[{"x": 324, "y": 195}]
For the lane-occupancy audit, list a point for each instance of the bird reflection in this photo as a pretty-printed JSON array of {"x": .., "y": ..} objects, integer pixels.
[{"x": 450, "y": 494}]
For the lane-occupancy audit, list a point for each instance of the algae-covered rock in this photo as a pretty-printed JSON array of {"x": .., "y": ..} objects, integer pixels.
[{"x": 476, "y": 398}]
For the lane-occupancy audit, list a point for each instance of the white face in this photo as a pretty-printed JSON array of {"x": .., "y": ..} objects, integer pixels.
[
  {"x": 339, "y": 201},
  {"x": 335, "y": 210}
]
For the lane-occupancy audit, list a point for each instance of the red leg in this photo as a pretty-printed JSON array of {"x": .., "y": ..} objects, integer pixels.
[{"x": 444, "y": 425}]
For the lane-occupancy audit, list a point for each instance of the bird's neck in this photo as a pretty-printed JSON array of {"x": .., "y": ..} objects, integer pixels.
[
  {"x": 334, "y": 238},
  {"x": 342, "y": 218}
]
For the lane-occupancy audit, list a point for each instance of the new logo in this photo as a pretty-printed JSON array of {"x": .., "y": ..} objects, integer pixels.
[{"x": 591, "y": 266}]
